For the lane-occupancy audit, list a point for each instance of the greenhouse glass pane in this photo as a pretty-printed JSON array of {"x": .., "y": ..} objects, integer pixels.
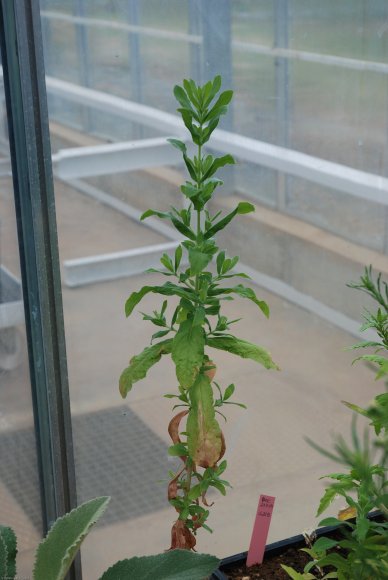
[{"x": 310, "y": 104}]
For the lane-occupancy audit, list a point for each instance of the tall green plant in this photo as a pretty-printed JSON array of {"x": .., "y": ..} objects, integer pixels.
[{"x": 197, "y": 322}]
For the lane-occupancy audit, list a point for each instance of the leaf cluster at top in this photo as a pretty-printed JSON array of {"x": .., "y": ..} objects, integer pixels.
[{"x": 200, "y": 289}]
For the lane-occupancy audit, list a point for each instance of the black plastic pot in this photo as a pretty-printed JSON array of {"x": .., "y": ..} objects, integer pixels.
[{"x": 272, "y": 550}]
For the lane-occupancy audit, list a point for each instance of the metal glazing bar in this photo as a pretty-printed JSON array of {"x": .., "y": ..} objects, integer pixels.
[
  {"x": 252, "y": 47},
  {"x": 22, "y": 55},
  {"x": 281, "y": 16}
]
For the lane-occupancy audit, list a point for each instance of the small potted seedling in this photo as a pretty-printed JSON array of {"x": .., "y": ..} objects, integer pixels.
[
  {"x": 197, "y": 323},
  {"x": 359, "y": 550}
]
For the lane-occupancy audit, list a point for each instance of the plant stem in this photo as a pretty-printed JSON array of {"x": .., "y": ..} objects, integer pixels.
[{"x": 198, "y": 212}]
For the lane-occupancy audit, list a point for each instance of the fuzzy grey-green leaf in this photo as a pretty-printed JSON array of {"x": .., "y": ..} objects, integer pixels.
[
  {"x": 7, "y": 535},
  {"x": 3, "y": 559},
  {"x": 172, "y": 565},
  {"x": 57, "y": 551}
]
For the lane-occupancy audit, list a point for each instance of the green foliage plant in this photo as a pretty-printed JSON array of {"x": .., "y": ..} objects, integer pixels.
[
  {"x": 58, "y": 549},
  {"x": 197, "y": 322},
  {"x": 362, "y": 551}
]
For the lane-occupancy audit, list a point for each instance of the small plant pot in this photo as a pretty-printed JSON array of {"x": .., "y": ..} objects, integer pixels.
[{"x": 282, "y": 552}]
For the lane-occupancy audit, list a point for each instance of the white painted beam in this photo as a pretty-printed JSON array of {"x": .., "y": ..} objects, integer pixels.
[
  {"x": 363, "y": 185},
  {"x": 312, "y": 57},
  {"x": 106, "y": 103},
  {"x": 360, "y": 184},
  {"x": 104, "y": 267},
  {"x": 111, "y": 158}
]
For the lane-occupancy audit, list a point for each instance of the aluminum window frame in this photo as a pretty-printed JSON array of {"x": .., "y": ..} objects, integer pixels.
[{"x": 26, "y": 104}]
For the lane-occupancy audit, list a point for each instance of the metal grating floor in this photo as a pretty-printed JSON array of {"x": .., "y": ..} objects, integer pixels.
[{"x": 117, "y": 454}]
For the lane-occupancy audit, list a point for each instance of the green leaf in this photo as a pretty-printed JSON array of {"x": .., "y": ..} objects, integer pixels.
[
  {"x": 187, "y": 117},
  {"x": 216, "y": 113},
  {"x": 220, "y": 105},
  {"x": 178, "y": 257},
  {"x": 3, "y": 559},
  {"x": 190, "y": 167},
  {"x": 57, "y": 551},
  {"x": 215, "y": 87},
  {"x": 8, "y": 538},
  {"x": 356, "y": 408},
  {"x": 229, "y": 264},
  {"x": 168, "y": 289},
  {"x": 177, "y": 450},
  {"x": 364, "y": 344},
  {"x": 199, "y": 316},
  {"x": 181, "y": 97},
  {"x": 188, "y": 352},
  {"x": 244, "y": 292},
  {"x": 140, "y": 364},
  {"x": 217, "y": 164},
  {"x": 195, "y": 492},
  {"x": 296, "y": 575},
  {"x": 160, "y": 334},
  {"x": 180, "y": 226},
  {"x": 192, "y": 91},
  {"x": 172, "y": 565},
  {"x": 362, "y": 528},
  {"x": 242, "y": 348},
  {"x": 198, "y": 261},
  {"x": 242, "y": 208},
  {"x": 183, "y": 229},
  {"x": 334, "y": 560},
  {"x": 209, "y": 130},
  {"x": 218, "y": 485},
  {"x": 228, "y": 392},
  {"x": 189, "y": 190},
  {"x": 203, "y": 432},
  {"x": 167, "y": 262},
  {"x": 327, "y": 498},
  {"x": 331, "y": 521},
  {"x": 178, "y": 145},
  {"x": 152, "y": 212},
  {"x": 220, "y": 261},
  {"x": 323, "y": 544}
]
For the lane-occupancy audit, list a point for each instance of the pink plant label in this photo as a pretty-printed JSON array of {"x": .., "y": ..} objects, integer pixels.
[{"x": 260, "y": 530}]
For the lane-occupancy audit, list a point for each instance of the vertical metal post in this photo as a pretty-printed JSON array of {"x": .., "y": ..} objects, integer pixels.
[
  {"x": 217, "y": 46},
  {"x": 24, "y": 82},
  {"x": 134, "y": 52},
  {"x": 217, "y": 60},
  {"x": 195, "y": 49},
  {"x": 281, "y": 21},
  {"x": 135, "y": 63},
  {"x": 46, "y": 34},
  {"x": 83, "y": 57}
]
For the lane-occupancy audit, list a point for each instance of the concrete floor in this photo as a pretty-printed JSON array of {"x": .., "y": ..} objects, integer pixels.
[{"x": 266, "y": 451}]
